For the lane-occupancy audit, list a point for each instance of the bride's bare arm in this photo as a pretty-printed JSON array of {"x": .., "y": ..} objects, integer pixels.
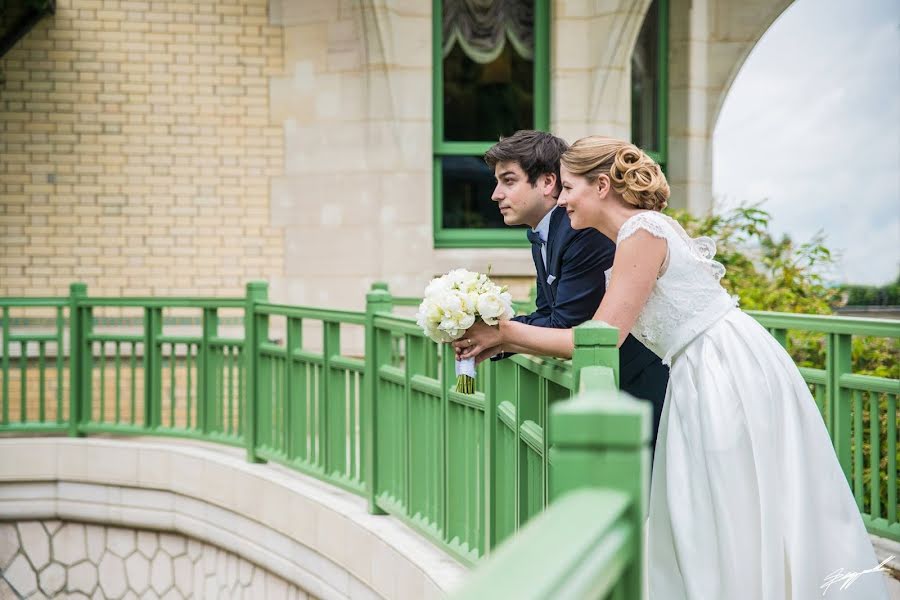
[
  {"x": 636, "y": 267},
  {"x": 512, "y": 336},
  {"x": 531, "y": 339},
  {"x": 635, "y": 270}
]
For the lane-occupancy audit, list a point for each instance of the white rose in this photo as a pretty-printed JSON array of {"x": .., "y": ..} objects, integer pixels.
[
  {"x": 438, "y": 286},
  {"x": 491, "y": 307}
]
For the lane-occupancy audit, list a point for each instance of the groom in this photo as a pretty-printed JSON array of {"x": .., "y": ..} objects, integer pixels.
[{"x": 570, "y": 264}]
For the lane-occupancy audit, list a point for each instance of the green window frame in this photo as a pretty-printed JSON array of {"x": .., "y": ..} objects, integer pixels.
[
  {"x": 661, "y": 153},
  {"x": 506, "y": 237}
]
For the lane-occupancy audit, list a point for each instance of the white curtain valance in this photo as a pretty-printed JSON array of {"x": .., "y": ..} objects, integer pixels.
[{"x": 481, "y": 27}]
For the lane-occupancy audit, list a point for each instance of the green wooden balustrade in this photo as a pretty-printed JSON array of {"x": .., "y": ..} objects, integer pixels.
[
  {"x": 466, "y": 471},
  {"x": 589, "y": 542},
  {"x": 385, "y": 423}
]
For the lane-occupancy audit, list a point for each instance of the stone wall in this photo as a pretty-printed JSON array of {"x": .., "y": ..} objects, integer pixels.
[
  {"x": 136, "y": 149},
  {"x": 78, "y": 560},
  {"x": 305, "y": 532},
  {"x": 184, "y": 148}
]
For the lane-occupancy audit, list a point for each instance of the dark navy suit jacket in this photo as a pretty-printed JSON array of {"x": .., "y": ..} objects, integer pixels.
[{"x": 569, "y": 291}]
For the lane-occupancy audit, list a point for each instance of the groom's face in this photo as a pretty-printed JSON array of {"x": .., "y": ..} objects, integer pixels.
[{"x": 520, "y": 202}]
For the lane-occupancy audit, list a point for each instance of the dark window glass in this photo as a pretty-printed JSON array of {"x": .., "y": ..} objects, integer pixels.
[
  {"x": 467, "y": 184},
  {"x": 645, "y": 83},
  {"x": 486, "y": 100}
]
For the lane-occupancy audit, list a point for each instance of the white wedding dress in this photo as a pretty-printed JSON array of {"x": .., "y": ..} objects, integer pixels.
[{"x": 747, "y": 500}]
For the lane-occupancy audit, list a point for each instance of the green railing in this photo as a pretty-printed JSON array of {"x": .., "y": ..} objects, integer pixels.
[
  {"x": 588, "y": 543},
  {"x": 362, "y": 400},
  {"x": 860, "y": 411},
  {"x": 465, "y": 470}
]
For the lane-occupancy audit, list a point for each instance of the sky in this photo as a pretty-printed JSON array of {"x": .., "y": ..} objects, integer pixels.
[{"x": 811, "y": 126}]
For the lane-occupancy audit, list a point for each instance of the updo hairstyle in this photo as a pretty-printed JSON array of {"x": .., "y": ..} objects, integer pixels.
[{"x": 634, "y": 175}]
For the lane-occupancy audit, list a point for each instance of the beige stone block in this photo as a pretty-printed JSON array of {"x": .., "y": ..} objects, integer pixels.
[
  {"x": 161, "y": 573},
  {"x": 122, "y": 470},
  {"x": 35, "y": 543},
  {"x": 21, "y": 576},
  {"x": 95, "y": 537},
  {"x": 571, "y": 92},
  {"x": 112, "y": 576},
  {"x": 9, "y": 543},
  {"x": 69, "y": 546},
  {"x": 52, "y": 579},
  {"x": 27, "y": 461},
  {"x": 137, "y": 569},
  {"x": 385, "y": 570},
  {"x": 289, "y": 13},
  {"x": 305, "y": 247},
  {"x": 219, "y": 484}
]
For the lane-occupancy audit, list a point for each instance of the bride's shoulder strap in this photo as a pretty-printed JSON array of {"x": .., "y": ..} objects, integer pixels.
[{"x": 650, "y": 221}]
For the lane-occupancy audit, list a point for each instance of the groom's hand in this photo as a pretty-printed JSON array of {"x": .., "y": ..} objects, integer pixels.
[{"x": 479, "y": 339}]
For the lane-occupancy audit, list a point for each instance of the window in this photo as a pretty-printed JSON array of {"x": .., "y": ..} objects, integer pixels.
[
  {"x": 650, "y": 83},
  {"x": 491, "y": 78}
]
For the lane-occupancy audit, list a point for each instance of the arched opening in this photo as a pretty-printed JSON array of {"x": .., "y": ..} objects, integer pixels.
[{"x": 815, "y": 96}]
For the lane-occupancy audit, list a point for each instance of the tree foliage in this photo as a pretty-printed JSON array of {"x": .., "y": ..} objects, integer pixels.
[{"x": 766, "y": 272}]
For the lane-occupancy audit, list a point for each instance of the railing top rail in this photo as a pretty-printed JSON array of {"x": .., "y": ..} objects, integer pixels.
[
  {"x": 406, "y": 301},
  {"x": 166, "y": 302},
  {"x": 398, "y": 324},
  {"x": 309, "y": 312},
  {"x": 556, "y": 555},
  {"x": 829, "y": 323},
  {"x": 556, "y": 370},
  {"x": 867, "y": 383},
  {"x": 33, "y": 302}
]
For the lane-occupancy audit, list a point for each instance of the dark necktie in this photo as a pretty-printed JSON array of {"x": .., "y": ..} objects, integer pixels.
[
  {"x": 536, "y": 243},
  {"x": 534, "y": 237}
]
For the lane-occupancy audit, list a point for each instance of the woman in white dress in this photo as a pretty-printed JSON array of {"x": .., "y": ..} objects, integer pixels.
[{"x": 747, "y": 498}]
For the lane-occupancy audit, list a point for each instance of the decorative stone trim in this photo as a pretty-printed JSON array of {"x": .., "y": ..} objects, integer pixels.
[
  {"x": 56, "y": 558},
  {"x": 311, "y": 535}
]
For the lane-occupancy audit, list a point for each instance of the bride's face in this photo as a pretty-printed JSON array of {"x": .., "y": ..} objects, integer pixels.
[{"x": 578, "y": 197}]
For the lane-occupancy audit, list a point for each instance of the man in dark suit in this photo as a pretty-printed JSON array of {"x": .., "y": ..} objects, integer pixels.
[{"x": 570, "y": 264}]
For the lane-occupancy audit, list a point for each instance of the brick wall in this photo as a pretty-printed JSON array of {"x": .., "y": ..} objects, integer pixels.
[{"x": 136, "y": 149}]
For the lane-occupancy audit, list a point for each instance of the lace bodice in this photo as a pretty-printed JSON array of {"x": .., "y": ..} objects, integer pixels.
[{"x": 687, "y": 297}]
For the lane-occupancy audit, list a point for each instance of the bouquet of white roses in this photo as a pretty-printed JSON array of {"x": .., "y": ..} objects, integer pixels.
[{"x": 451, "y": 305}]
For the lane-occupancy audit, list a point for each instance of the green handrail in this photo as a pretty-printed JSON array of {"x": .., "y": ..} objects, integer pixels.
[
  {"x": 489, "y": 448},
  {"x": 588, "y": 543},
  {"x": 467, "y": 471}
]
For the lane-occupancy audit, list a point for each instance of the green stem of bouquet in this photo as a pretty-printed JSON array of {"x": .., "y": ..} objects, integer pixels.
[{"x": 465, "y": 384}]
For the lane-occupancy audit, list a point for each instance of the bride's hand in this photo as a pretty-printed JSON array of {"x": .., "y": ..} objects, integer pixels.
[{"x": 478, "y": 339}]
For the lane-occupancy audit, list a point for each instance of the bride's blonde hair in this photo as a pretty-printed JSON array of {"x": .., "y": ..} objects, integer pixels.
[{"x": 634, "y": 175}]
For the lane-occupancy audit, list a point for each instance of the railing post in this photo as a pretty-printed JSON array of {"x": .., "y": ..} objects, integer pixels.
[
  {"x": 378, "y": 300},
  {"x": 595, "y": 344},
  {"x": 837, "y": 363},
  {"x": 255, "y": 332},
  {"x": 77, "y": 291},
  {"x": 498, "y": 375},
  {"x": 208, "y": 412},
  {"x": 153, "y": 326},
  {"x": 332, "y": 420},
  {"x": 780, "y": 336},
  {"x": 600, "y": 439}
]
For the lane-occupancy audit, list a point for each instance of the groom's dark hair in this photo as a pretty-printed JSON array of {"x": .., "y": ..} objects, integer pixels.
[{"x": 537, "y": 152}]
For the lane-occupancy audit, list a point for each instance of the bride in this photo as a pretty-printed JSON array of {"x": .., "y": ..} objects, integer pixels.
[{"x": 747, "y": 499}]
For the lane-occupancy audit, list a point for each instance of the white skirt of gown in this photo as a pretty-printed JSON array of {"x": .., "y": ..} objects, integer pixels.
[{"x": 747, "y": 500}]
